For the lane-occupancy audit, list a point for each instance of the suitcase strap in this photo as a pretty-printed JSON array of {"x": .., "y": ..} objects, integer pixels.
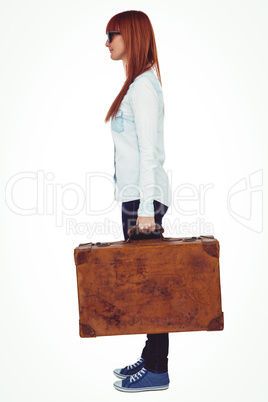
[{"x": 204, "y": 239}]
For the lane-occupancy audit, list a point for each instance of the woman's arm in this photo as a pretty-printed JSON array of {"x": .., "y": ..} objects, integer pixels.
[{"x": 144, "y": 101}]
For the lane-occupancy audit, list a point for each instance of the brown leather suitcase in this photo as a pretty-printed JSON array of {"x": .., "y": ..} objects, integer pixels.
[{"x": 149, "y": 286}]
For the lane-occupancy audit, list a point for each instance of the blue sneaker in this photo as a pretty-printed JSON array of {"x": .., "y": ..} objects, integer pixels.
[
  {"x": 144, "y": 380},
  {"x": 128, "y": 371}
]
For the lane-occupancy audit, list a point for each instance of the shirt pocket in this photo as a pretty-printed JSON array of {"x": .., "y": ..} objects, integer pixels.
[{"x": 117, "y": 122}]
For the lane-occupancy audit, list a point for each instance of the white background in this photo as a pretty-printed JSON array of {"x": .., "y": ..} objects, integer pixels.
[{"x": 57, "y": 83}]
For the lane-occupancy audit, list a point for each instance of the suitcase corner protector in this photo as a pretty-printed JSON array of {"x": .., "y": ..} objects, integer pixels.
[
  {"x": 86, "y": 331},
  {"x": 216, "y": 324},
  {"x": 211, "y": 248}
]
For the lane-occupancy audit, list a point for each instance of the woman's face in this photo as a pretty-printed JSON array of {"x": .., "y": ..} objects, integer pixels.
[{"x": 117, "y": 48}]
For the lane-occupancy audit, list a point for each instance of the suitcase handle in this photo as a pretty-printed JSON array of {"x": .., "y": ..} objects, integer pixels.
[{"x": 134, "y": 230}]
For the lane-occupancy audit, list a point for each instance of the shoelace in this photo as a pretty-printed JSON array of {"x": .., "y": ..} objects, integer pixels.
[
  {"x": 135, "y": 364},
  {"x": 137, "y": 376}
]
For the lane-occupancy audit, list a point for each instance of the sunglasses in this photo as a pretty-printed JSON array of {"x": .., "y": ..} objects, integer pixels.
[{"x": 111, "y": 35}]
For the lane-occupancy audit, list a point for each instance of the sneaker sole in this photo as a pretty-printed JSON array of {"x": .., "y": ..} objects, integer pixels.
[{"x": 158, "y": 388}]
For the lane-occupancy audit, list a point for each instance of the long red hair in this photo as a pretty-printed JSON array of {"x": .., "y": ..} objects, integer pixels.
[{"x": 138, "y": 35}]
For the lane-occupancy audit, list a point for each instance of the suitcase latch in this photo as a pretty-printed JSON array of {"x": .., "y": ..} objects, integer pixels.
[
  {"x": 189, "y": 238},
  {"x": 102, "y": 244}
]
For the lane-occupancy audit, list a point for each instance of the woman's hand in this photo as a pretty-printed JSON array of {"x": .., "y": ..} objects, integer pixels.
[{"x": 146, "y": 224}]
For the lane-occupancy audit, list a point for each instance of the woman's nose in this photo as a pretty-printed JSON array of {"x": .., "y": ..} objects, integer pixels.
[{"x": 107, "y": 43}]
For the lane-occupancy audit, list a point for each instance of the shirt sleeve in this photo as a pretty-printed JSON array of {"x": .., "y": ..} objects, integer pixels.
[{"x": 144, "y": 102}]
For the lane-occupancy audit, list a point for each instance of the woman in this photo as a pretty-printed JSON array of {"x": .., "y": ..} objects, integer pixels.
[{"x": 141, "y": 183}]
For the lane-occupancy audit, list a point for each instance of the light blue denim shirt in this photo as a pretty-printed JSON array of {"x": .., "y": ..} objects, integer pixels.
[{"x": 139, "y": 153}]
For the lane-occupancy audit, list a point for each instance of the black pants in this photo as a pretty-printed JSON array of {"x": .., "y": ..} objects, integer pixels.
[{"x": 155, "y": 351}]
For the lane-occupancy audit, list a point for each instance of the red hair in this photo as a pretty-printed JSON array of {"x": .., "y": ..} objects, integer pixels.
[{"x": 138, "y": 35}]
